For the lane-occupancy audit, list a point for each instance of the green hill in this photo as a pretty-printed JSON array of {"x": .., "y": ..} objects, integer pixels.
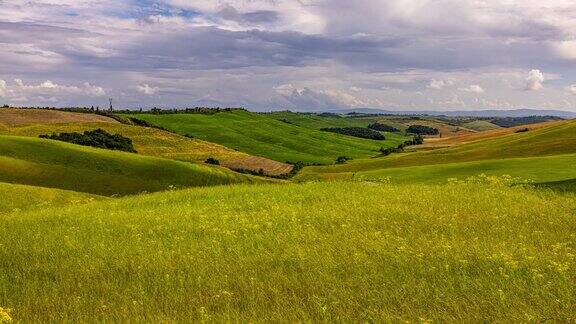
[
  {"x": 554, "y": 140},
  {"x": 316, "y": 121},
  {"x": 481, "y": 125},
  {"x": 265, "y": 136},
  {"x": 156, "y": 142},
  {"x": 321, "y": 252},
  {"x": 54, "y": 164},
  {"x": 537, "y": 169},
  {"x": 18, "y": 198}
]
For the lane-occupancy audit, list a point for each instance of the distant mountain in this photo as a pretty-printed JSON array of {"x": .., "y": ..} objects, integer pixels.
[{"x": 472, "y": 113}]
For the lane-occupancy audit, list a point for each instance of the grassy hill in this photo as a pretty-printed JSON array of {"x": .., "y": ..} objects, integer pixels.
[
  {"x": 54, "y": 164},
  {"x": 481, "y": 125},
  {"x": 18, "y": 198},
  {"x": 321, "y": 252},
  {"x": 159, "y": 143},
  {"x": 21, "y": 116},
  {"x": 147, "y": 141},
  {"x": 537, "y": 169},
  {"x": 557, "y": 139},
  {"x": 262, "y": 135},
  {"x": 316, "y": 121}
]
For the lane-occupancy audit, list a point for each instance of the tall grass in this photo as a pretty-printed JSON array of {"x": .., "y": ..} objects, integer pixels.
[
  {"x": 338, "y": 252},
  {"x": 18, "y": 198}
]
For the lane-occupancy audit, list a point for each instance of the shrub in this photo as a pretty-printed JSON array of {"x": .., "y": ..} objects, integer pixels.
[
  {"x": 518, "y": 121},
  {"x": 422, "y": 130},
  {"x": 357, "y": 132},
  {"x": 96, "y": 138},
  {"x": 342, "y": 159},
  {"x": 212, "y": 161},
  {"x": 383, "y": 128}
]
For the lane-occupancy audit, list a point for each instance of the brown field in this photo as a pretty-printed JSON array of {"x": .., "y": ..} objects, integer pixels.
[
  {"x": 256, "y": 163},
  {"x": 16, "y": 116}
]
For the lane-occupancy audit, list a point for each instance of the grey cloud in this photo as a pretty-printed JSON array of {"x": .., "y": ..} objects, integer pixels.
[{"x": 255, "y": 17}]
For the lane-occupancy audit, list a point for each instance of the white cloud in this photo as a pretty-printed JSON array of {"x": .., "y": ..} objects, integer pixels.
[
  {"x": 571, "y": 89},
  {"x": 534, "y": 81},
  {"x": 3, "y": 89},
  {"x": 439, "y": 84},
  {"x": 47, "y": 91},
  {"x": 147, "y": 89},
  {"x": 473, "y": 89}
]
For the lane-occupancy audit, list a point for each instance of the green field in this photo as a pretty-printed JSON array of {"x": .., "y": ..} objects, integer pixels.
[
  {"x": 480, "y": 231},
  {"x": 336, "y": 252},
  {"x": 265, "y": 136},
  {"x": 54, "y": 164},
  {"x": 554, "y": 140},
  {"x": 315, "y": 121},
  {"x": 481, "y": 125},
  {"x": 535, "y": 169},
  {"x": 158, "y": 143},
  {"x": 17, "y": 198}
]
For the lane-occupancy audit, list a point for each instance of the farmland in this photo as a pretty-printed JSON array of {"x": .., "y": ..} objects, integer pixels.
[
  {"x": 474, "y": 226},
  {"x": 262, "y": 135},
  {"x": 147, "y": 141},
  {"x": 556, "y": 139},
  {"x": 52, "y": 164}
]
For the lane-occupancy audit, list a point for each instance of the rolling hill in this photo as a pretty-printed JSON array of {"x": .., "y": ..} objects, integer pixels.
[
  {"x": 19, "y": 198},
  {"x": 160, "y": 143},
  {"x": 54, "y": 164},
  {"x": 555, "y": 139},
  {"x": 265, "y": 136},
  {"x": 147, "y": 141},
  {"x": 534, "y": 169},
  {"x": 20, "y": 116},
  {"x": 320, "y": 252}
]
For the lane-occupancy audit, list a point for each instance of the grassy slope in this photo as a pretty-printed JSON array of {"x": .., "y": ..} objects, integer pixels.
[
  {"x": 159, "y": 143},
  {"x": 318, "y": 122},
  {"x": 481, "y": 125},
  {"x": 264, "y": 136},
  {"x": 17, "y": 198},
  {"x": 336, "y": 252},
  {"x": 536, "y": 169},
  {"x": 20, "y": 116},
  {"x": 555, "y": 140},
  {"x": 61, "y": 165}
]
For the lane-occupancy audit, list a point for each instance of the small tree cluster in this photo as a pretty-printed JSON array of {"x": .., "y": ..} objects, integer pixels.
[
  {"x": 422, "y": 130},
  {"x": 212, "y": 161},
  {"x": 383, "y": 128},
  {"x": 357, "y": 132},
  {"x": 416, "y": 140},
  {"x": 96, "y": 138},
  {"x": 342, "y": 159}
]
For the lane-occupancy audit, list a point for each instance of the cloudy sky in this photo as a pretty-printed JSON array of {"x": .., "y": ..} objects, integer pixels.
[{"x": 290, "y": 54}]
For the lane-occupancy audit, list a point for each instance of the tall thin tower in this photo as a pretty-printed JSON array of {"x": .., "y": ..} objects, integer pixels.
[{"x": 111, "y": 108}]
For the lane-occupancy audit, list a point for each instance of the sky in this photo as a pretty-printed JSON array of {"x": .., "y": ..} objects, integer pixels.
[{"x": 305, "y": 55}]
